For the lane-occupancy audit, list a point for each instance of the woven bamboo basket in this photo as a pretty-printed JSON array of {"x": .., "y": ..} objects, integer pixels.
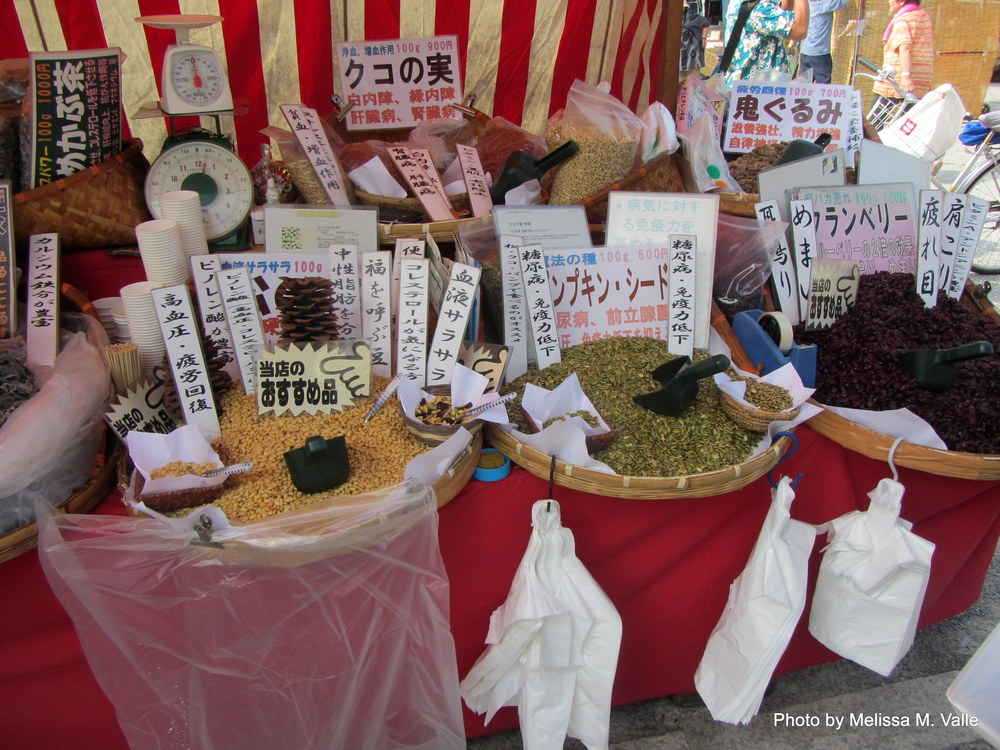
[
  {"x": 440, "y": 231},
  {"x": 594, "y": 443},
  {"x": 459, "y": 202},
  {"x": 95, "y": 208},
  {"x": 659, "y": 175},
  {"x": 706, "y": 484},
  {"x": 435, "y": 434},
  {"x": 876, "y": 445},
  {"x": 750, "y": 417}
]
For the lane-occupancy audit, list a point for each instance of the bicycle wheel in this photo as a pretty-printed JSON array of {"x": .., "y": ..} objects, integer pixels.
[{"x": 985, "y": 184}]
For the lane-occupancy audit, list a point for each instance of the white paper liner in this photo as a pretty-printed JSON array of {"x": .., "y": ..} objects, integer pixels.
[
  {"x": 541, "y": 405},
  {"x": 374, "y": 178},
  {"x": 428, "y": 467},
  {"x": 150, "y": 451},
  {"x": 564, "y": 441},
  {"x": 897, "y": 423}
]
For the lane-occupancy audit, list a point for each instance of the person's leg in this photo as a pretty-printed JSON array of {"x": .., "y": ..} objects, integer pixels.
[{"x": 820, "y": 65}]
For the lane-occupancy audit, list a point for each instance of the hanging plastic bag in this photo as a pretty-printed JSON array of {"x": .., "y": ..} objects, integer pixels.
[
  {"x": 659, "y": 133},
  {"x": 743, "y": 251},
  {"x": 321, "y": 628},
  {"x": 607, "y": 133},
  {"x": 708, "y": 164},
  {"x": 553, "y": 645},
  {"x": 871, "y": 583},
  {"x": 765, "y": 603},
  {"x": 928, "y": 128},
  {"x": 974, "y": 691}
]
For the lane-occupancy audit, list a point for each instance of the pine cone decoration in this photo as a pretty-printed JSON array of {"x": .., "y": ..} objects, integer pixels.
[
  {"x": 306, "y": 309},
  {"x": 219, "y": 378}
]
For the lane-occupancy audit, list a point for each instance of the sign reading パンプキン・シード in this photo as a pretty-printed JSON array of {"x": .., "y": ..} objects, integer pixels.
[
  {"x": 763, "y": 112},
  {"x": 398, "y": 83}
]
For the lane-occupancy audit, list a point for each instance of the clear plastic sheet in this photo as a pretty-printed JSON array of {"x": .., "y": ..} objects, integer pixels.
[
  {"x": 743, "y": 253},
  {"x": 48, "y": 444},
  {"x": 326, "y": 627}
]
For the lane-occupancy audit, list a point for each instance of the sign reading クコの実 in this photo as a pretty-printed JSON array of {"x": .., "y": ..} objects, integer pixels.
[{"x": 399, "y": 83}]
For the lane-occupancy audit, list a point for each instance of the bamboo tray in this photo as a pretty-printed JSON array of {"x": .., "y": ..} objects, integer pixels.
[
  {"x": 575, "y": 477},
  {"x": 877, "y": 445}
]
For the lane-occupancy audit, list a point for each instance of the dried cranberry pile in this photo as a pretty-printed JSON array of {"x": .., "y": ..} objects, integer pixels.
[{"x": 857, "y": 365}]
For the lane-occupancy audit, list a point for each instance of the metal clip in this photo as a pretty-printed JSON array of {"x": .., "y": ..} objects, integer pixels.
[
  {"x": 342, "y": 108},
  {"x": 204, "y": 531}
]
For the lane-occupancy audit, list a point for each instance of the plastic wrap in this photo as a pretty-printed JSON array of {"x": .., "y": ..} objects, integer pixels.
[
  {"x": 743, "y": 252},
  {"x": 327, "y": 627},
  {"x": 48, "y": 444}
]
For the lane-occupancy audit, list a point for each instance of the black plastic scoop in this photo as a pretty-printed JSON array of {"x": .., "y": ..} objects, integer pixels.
[
  {"x": 935, "y": 369},
  {"x": 522, "y": 166},
  {"x": 680, "y": 384}
]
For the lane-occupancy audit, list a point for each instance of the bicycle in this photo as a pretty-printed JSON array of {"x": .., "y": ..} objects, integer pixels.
[{"x": 978, "y": 177}]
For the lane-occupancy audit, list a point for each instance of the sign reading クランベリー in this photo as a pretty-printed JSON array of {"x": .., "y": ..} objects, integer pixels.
[{"x": 399, "y": 82}]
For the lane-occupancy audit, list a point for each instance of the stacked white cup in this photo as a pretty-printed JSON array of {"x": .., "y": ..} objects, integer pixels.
[
  {"x": 184, "y": 207},
  {"x": 162, "y": 252},
  {"x": 105, "y": 307},
  {"x": 121, "y": 334},
  {"x": 143, "y": 323}
]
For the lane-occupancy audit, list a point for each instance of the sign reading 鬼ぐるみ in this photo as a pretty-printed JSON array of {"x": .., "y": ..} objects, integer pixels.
[
  {"x": 400, "y": 82},
  {"x": 761, "y": 112}
]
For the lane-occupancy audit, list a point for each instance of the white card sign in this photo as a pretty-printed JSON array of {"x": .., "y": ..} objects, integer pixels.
[
  {"x": 399, "y": 83},
  {"x": 972, "y": 227},
  {"x": 763, "y": 112},
  {"x": 680, "y": 319},
  {"x": 244, "y": 322},
  {"x": 140, "y": 409},
  {"x": 434, "y": 201},
  {"x": 833, "y": 287},
  {"x": 649, "y": 219},
  {"x": 204, "y": 271},
  {"x": 515, "y": 321},
  {"x": 782, "y": 266},
  {"x": 376, "y": 309},
  {"x": 182, "y": 337},
  {"x": 475, "y": 180},
  {"x": 929, "y": 245},
  {"x": 8, "y": 281},
  {"x": 951, "y": 228},
  {"x": 314, "y": 229},
  {"x": 407, "y": 248},
  {"x": 803, "y": 246},
  {"x": 552, "y": 227},
  {"x": 451, "y": 323},
  {"x": 42, "y": 317},
  {"x": 541, "y": 316},
  {"x": 315, "y": 378},
  {"x": 346, "y": 295},
  {"x": 308, "y": 131},
  {"x": 411, "y": 328}
]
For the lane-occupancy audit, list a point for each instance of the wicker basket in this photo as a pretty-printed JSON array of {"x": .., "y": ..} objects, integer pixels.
[
  {"x": 435, "y": 434},
  {"x": 459, "y": 202},
  {"x": 750, "y": 417},
  {"x": 96, "y": 208},
  {"x": 164, "y": 502},
  {"x": 594, "y": 443},
  {"x": 659, "y": 175},
  {"x": 706, "y": 484}
]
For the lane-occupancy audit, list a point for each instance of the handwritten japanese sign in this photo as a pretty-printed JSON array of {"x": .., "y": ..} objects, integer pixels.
[
  {"x": 140, "y": 409},
  {"x": 76, "y": 118},
  {"x": 187, "y": 360},
  {"x": 451, "y": 323},
  {"x": 423, "y": 157},
  {"x": 871, "y": 224},
  {"x": 475, "y": 180},
  {"x": 680, "y": 318},
  {"x": 244, "y": 322},
  {"x": 318, "y": 378},
  {"x": 515, "y": 321},
  {"x": 833, "y": 287},
  {"x": 695, "y": 99},
  {"x": 649, "y": 220},
  {"x": 929, "y": 245},
  {"x": 540, "y": 310},
  {"x": 761, "y": 112},
  {"x": 952, "y": 214},
  {"x": 205, "y": 270},
  {"x": 782, "y": 265},
  {"x": 434, "y": 201},
  {"x": 972, "y": 227},
  {"x": 803, "y": 247},
  {"x": 411, "y": 330},
  {"x": 399, "y": 83},
  {"x": 8, "y": 287},
  {"x": 489, "y": 360},
  {"x": 406, "y": 249},
  {"x": 376, "y": 307},
  {"x": 346, "y": 297},
  {"x": 42, "y": 317},
  {"x": 308, "y": 131}
]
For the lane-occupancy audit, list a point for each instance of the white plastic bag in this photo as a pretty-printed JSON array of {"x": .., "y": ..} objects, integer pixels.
[
  {"x": 553, "y": 645},
  {"x": 322, "y": 628},
  {"x": 659, "y": 133},
  {"x": 765, "y": 603},
  {"x": 928, "y": 128},
  {"x": 977, "y": 686},
  {"x": 708, "y": 164},
  {"x": 871, "y": 583}
]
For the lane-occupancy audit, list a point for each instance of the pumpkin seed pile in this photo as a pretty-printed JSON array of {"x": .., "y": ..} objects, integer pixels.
[
  {"x": 586, "y": 416},
  {"x": 766, "y": 396},
  {"x": 611, "y": 372}
]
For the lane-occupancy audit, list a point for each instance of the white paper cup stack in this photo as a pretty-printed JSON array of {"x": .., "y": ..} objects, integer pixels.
[
  {"x": 105, "y": 307},
  {"x": 162, "y": 251},
  {"x": 143, "y": 324},
  {"x": 121, "y": 334},
  {"x": 184, "y": 207}
]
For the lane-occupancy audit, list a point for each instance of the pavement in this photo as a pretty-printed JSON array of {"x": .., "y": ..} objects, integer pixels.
[{"x": 834, "y": 691}]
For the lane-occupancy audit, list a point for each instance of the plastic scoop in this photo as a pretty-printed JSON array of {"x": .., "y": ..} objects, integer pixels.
[
  {"x": 935, "y": 369},
  {"x": 680, "y": 391},
  {"x": 522, "y": 166}
]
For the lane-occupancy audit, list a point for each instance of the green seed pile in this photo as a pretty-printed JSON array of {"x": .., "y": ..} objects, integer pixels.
[
  {"x": 611, "y": 372},
  {"x": 766, "y": 396}
]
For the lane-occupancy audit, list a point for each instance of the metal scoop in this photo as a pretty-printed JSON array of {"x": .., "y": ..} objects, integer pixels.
[
  {"x": 936, "y": 369},
  {"x": 680, "y": 388}
]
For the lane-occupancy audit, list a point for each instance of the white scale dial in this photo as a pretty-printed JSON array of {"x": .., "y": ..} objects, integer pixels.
[
  {"x": 197, "y": 76},
  {"x": 219, "y": 177}
]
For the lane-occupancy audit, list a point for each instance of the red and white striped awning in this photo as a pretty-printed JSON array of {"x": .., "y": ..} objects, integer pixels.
[{"x": 521, "y": 56}]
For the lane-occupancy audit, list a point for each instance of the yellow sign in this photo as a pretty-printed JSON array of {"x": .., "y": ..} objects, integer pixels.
[{"x": 316, "y": 378}]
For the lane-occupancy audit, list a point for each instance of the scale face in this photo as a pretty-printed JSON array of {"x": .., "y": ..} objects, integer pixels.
[
  {"x": 193, "y": 81},
  {"x": 220, "y": 178}
]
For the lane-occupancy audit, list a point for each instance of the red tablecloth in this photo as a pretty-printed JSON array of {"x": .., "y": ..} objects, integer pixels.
[{"x": 666, "y": 564}]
